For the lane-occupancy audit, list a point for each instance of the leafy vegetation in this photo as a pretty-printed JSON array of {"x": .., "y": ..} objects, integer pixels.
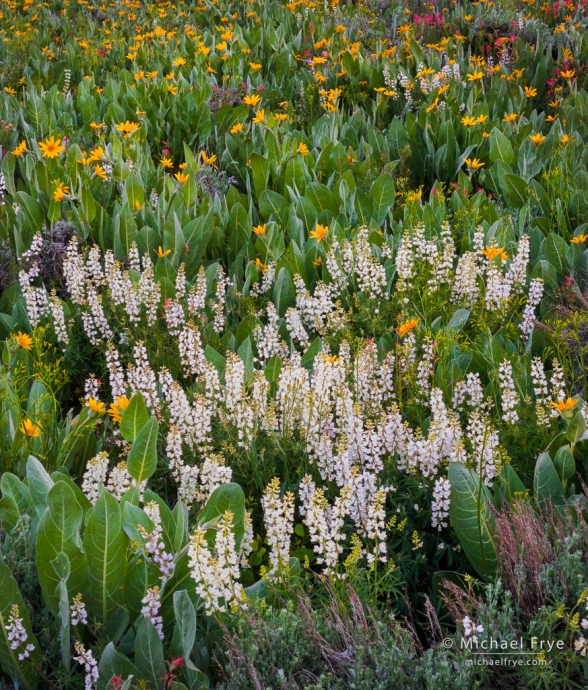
[{"x": 293, "y": 317}]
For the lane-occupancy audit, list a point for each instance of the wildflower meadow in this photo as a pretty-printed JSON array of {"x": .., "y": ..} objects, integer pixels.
[{"x": 294, "y": 345}]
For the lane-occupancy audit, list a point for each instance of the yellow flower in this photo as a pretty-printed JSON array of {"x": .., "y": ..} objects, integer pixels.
[
  {"x": 260, "y": 265},
  {"x": 179, "y": 62},
  {"x": 475, "y": 76},
  {"x": 568, "y": 73},
  {"x": 100, "y": 172},
  {"x": 10, "y": 91},
  {"x": 537, "y": 138},
  {"x": 159, "y": 251},
  {"x": 60, "y": 192},
  {"x": 252, "y": 100},
  {"x": 468, "y": 121},
  {"x": 182, "y": 178},
  {"x": 318, "y": 262},
  {"x": 20, "y": 149},
  {"x": 565, "y": 139},
  {"x": 23, "y": 340},
  {"x": 95, "y": 405},
  {"x": 51, "y": 148},
  {"x": 255, "y": 66},
  {"x": 407, "y": 326},
  {"x": 303, "y": 149},
  {"x": 96, "y": 125},
  {"x": 128, "y": 127},
  {"x": 209, "y": 160},
  {"x": 260, "y": 229},
  {"x": 320, "y": 232},
  {"x": 491, "y": 252},
  {"x": 235, "y": 129},
  {"x": 473, "y": 164},
  {"x": 511, "y": 117},
  {"x": 259, "y": 118},
  {"x": 567, "y": 405},
  {"x": 116, "y": 409},
  {"x": 30, "y": 428},
  {"x": 167, "y": 162},
  {"x": 579, "y": 239},
  {"x": 530, "y": 91}
]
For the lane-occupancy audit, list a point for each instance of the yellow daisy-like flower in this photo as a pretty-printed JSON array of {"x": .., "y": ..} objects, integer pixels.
[
  {"x": 95, "y": 405},
  {"x": 160, "y": 253},
  {"x": 30, "y": 428},
  {"x": 492, "y": 252},
  {"x": 235, "y": 129},
  {"x": 24, "y": 340},
  {"x": 116, "y": 409},
  {"x": 60, "y": 192},
  {"x": 320, "y": 232},
  {"x": 20, "y": 149},
  {"x": 566, "y": 405},
  {"x": 51, "y": 148},
  {"x": 260, "y": 229},
  {"x": 303, "y": 149},
  {"x": 407, "y": 327},
  {"x": 182, "y": 178},
  {"x": 252, "y": 100},
  {"x": 579, "y": 239},
  {"x": 537, "y": 138}
]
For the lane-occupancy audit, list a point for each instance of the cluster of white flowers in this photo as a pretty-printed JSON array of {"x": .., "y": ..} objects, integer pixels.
[
  {"x": 17, "y": 635},
  {"x": 86, "y": 659},
  {"x": 278, "y": 516},
  {"x": 216, "y": 577},
  {"x": 79, "y": 615},
  {"x": 151, "y": 605},
  {"x": 155, "y": 544},
  {"x": 510, "y": 398},
  {"x": 440, "y": 503}
]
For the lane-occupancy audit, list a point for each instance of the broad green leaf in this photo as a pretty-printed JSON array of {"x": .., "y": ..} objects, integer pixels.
[
  {"x": 114, "y": 664},
  {"x": 501, "y": 148},
  {"x": 142, "y": 459},
  {"x": 134, "y": 418},
  {"x": 149, "y": 658},
  {"x": 105, "y": 545},
  {"x": 283, "y": 293},
  {"x": 516, "y": 189},
  {"x": 564, "y": 463},
  {"x": 383, "y": 193},
  {"x": 185, "y": 632},
  {"x": 59, "y": 532},
  {"x": 576, "y": 428},
  {"x": 40, "y": 484},
  {"x": 225, "y": 497},
  {"x": 62, "y": 568},
  {"x": 470, "y": 518},
  {"x": 546, "y": 483}
]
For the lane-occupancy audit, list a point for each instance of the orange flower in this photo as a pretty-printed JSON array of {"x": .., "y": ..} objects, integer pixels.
[
  {"x": 567, "y": 405},
  {"x": 579, "y": 239},
  {"x": 209, "y": 160},
  {"x": 182, "y": 178},
  {"x": 407, "y": 326},
  {"x": 116, "y": 409},
  {"x": 95, "y": 405},
  {"x": 493, "y": 252},
  {"x": 30, "y": 428},
  {"x": 303, "y": 149},
  {"x": 160, "y": 253},
  {"x": 537, "y": 138},
  {"x": 23, "y": 340},
  {"x": 260, "y": 229},
  {"x": 320, "y": 232}
]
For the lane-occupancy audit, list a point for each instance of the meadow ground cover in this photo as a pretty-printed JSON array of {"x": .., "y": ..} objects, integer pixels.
[{"x": 294, "y": 330}]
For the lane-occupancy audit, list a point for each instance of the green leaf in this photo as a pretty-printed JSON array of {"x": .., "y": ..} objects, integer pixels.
[
  {"x": 555, "y": 247},
  {"x": 114, "y": 664},
  {"x": 225, "y": 497},
  {"x": 283, "y": 294},
  {"x": 501, "y": 148},
  {"x": 546, "y": 483},
  {"x": 58, "y": 533},
  {"x": 364, "y": 207},
  {"x": 40, "y": 484},
  {"x": 149, "y": 654},
  {"x": 181, "y": 513},
  {"x": 134, "y": 418},
  {"x": 134, "y": 191},
  {"x": 142, "y": 459},
  {"x": 383, "y": 193},
  {"x": 564, "y": 463},
  {"x": 62, "y": 568},
  {"x": 458, "y": 319},
  {"x": 321, "y": 198},
  {"x": 185, "y": 632},
  {"x": 576, "y": 428},
  {"x": 24, "y": 674},
  {"x": 516, "y": 189},
  {"x": 470, "y": 518},
  {"x": 105, "y": 545}
]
